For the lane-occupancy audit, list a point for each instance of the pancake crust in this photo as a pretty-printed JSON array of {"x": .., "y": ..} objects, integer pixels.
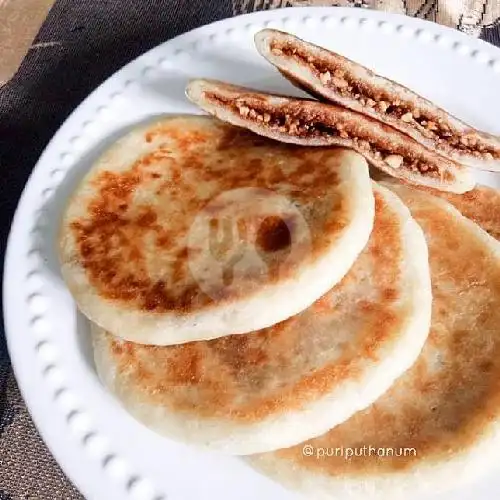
[
  {"x": 276, "y": 387},
  {"x": 482, "y": 205},
  {"x": 187, "y": 228},
  {"x": 446, "y": 407}
]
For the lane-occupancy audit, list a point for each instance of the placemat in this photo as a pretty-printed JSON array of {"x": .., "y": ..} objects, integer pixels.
[
  {"x": 82, "y": 43},
  {"x": 469, "y": 16}
]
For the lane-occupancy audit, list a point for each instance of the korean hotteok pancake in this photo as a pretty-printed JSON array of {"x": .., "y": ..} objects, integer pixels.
[
  {"x": 482, "y": 205},
  {"x": 439, "y": 424},
  {"x": 276, "y": 387},
  {"x": 190, "y": 229}
]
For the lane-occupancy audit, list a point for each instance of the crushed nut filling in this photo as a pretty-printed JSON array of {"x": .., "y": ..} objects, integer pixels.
[
  {"x": 292, "y": 123},
  {"x": 429, "y": 126}
]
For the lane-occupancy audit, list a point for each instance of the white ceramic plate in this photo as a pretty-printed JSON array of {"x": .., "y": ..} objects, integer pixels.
[{"x": 104, "y": 451}]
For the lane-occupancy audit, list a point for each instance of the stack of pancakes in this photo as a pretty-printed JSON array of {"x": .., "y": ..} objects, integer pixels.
[{"x": 254, "y": 291}]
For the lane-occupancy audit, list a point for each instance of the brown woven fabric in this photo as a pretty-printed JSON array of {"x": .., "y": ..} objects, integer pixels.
[
  {"x": 469, "y": 16},
  {"x": 82, "y": 43},
  {"x": 27, "y": 469}
]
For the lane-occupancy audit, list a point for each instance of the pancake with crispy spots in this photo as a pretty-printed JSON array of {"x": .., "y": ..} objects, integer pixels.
[
  {"x": 482, "y": 205},
  {"x": 276, "y": 387},
  {"x": 438, "y": 425},
  {"x": 191, "y": 229}
]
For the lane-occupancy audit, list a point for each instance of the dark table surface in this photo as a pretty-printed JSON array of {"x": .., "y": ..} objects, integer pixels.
[{"x": 81, "y": 44}]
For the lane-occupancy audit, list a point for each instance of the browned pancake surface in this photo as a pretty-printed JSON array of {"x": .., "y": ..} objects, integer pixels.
[
  {"x": 446, "y": 401},
  {"x": 132, "y": 238},
  {"x": 249, "y": 377},
  {"x": 482, "y": 205}
]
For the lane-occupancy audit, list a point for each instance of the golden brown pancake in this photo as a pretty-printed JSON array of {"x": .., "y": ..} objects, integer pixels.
[
  {"x": 330, "y": 76},
  {"x": 438, "y": 425},
  {"x": 482, "y": 205},
  {"x": 190, "y": 229},
  {"x": 276, "y": 387}
]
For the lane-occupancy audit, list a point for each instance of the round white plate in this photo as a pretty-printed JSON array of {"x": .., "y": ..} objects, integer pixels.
[{"x": 105, "y": 452}]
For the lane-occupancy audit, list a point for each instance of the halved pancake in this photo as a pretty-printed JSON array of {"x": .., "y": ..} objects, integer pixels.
[
  {"x": 312, "y": 123},
  {"x": 330, "y": 76},
  {"x": 439, "y": 424},
  {"x": 276, "y": 387},
  {"x": 190, "y": 229}
]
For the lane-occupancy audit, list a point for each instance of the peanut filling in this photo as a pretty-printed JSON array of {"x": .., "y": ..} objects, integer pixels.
[
  {"x": 431, "y": 127},
  {"x": 291, "y": 123}
]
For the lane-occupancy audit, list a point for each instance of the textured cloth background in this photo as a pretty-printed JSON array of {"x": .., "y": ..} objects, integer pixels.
[
  {"x": 82, "y": 43},
  {"x": 470, "y": 16}
]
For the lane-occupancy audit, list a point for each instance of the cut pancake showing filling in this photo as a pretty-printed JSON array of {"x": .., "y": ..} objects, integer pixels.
[
  {"x": 330, "y": 76},
  {"x": 312, "y": 123},
  {"x": 273, "y": 388}
]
